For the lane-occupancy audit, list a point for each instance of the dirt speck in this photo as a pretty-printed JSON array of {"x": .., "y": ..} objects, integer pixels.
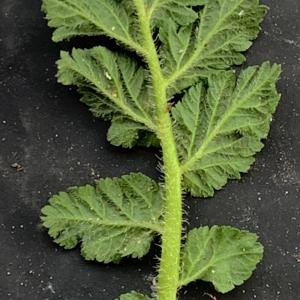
[{"x": 18, "y": 167}]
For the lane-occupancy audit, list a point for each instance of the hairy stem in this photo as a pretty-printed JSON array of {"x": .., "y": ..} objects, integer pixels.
[{"x": 168, "y": 278}]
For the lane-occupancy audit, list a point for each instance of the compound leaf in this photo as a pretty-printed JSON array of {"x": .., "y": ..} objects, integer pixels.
[
  {"x": 219, "y": 131},
  {"x": 118, "y": 217},
  {"x": 133, "y": 296},
  {"x": 219, "y": 124},
  {"x": 224, "y": 256}
]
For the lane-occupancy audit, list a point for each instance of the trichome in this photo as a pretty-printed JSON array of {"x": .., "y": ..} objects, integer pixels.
[{"x": 179, "y": 92}]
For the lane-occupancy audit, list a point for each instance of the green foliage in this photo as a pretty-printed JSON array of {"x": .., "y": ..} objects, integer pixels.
[
  {"x": 118, "y": 217},
  {"x": 179, "y": 11},
  {"x": 134, "y": 296},
  {"x": 113, "y": 86},
  {"x": 222, "y": 255},
  {"x": 126, "y": 133},
  {"x": 224, "y": 29},
  {"x": 98, "y": 17},
  {"x": 219, "y": 130},
  {"x": 209, "y": 135}
]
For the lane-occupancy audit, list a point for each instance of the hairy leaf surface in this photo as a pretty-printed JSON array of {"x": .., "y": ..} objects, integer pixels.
[
  {"x": 98, "y": 17},
  {"x": 134, "y": 296},
  {"x": 179, "y": 11},
  {"x": 112, "y": 85},
  {"x": 224, "y": 256},
  {"x": 219, "y": 131},
  {"x": 118, "y": 217},
  {"x": 185, "y": 49},
  {"x": 126, "y": 133},
  {"x": 224, "y": 29}
]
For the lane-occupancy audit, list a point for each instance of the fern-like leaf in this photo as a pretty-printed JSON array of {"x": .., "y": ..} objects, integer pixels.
[
  {"x": 118, "y": 217},
  {"x": 187, "y": 48},
  {"x": 220, "y": 130}
]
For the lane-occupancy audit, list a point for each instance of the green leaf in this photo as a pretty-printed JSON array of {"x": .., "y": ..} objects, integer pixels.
[
  {"x": 133, "y": 296},
  {"x": 176, "y": 51},
  {"x": 224, "y": 29},
  {"x": 219, "y": 131},
  {"x": 224, "y": 256},
  {"x": 177, "y": 10},
  {"x": 112, "y": 85},
  {"x": 126, "y": 133},
  {"x": 185, "y": 47},
  {"x": 118, "y": 217},
  {"x": 117, "y": 78},
  {"x": 98, "y": 17}
]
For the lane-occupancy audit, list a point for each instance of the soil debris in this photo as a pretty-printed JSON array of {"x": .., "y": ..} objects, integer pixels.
[{"x": 17, "y": 167}]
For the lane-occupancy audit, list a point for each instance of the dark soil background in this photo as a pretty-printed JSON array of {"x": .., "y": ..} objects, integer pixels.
[{"x": 45, "y": 129}]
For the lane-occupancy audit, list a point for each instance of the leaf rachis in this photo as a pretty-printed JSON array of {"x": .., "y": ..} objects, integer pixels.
[{"x": 209, "y": 135}]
